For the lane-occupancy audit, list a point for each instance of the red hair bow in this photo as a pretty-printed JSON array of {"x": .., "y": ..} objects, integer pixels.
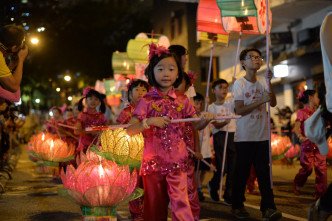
[
  {"x": 300, "y": 95},
  {"x": 192, "y": 76},
  {"x": 155, "y": 49}
]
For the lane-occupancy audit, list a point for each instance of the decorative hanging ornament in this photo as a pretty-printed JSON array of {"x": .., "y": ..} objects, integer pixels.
[
  {"x": 248, "y": 16},
  {"x": 121, "y": 148},
  {"x": 209, "y": 23}
]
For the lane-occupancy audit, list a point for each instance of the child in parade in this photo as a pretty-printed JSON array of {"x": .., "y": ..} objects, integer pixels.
[
  {"x": 221, "y": 107},
  {"x": 165, "y": 157},
  {"x": 251, "y": 136},
  {"x": 89, "y": 118},
  {"x": 204, "y": 141},
  {"x": 310, "y": 154},
  {"x": 51, "y": 126},
  {"x": 189, "y": 138},
  {"x": 136, "y": 89}
]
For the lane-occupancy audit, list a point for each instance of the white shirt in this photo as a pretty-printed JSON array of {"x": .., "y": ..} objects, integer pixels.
[
  {"x": 223, "y": 110},
  {"x": 205, "y": 148},
  {"x": 253, "y": 126},
  {"x": 327, "y": 64}
]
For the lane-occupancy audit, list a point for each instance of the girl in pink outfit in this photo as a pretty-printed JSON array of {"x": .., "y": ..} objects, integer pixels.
[
  {"x": 89, "y": 118},
  {"x": 310, "y": 154},
  {"x": 51, "y": 126},
  {"x": 136, "y": 89},
  {"x": 165, "y": 158},
  {"x": 193, "y": 144}
]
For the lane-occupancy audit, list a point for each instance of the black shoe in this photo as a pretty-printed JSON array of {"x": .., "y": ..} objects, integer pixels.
[
  {"x": 227, "y": 202},
  {"x": 213, "y": 192},
  {"x": 200, "y": 196},
  {"x": 240, "y": 213},
  {"x": 271, "y": 215}
]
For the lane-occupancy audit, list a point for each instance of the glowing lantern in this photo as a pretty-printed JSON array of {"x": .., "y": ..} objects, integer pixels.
[
  {"x": 122, "y": 64},
  {"x": 98, "y": 186},
  {"x": 329, "y": 154},
  {"x": 279, "y": 146},
  {"x": 209, "y": 22},
  {"x": 52, "y": 150},
  {"x": 293, "y": 151},
  {"x": 121, "y": 148},
  {"x": 138, "y": 49},
  {"x": 248, "y": 16}
]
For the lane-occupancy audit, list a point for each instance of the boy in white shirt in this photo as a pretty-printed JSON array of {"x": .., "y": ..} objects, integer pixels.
[
  {"x": 251, "y": 135},
  {"x": 221, "y": 107}
]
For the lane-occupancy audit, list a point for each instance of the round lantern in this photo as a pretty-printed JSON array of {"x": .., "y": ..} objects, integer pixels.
[
  {"x": 121, "y": 148},
  {"x": 329, "y": 154},
  {"x": 138, "y": 48},
  {"x": 248, "y": 16},
  {"x": 279, "y": 146},
  {"x": 121, "y": 64}
]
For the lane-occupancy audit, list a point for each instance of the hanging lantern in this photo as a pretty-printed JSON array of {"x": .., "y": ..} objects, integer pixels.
[
  {"x": 122, "y": 148},
  {"x": 113, "y": 93},
  {"x": 121, "y": 64},
  {"x": 52, "y": 150},
  {"x": 138, "y": 48},
  {"x": 209, "y": 22},
  {"x": 98, "y": 186},
  {"x": 248, "y": 16}
]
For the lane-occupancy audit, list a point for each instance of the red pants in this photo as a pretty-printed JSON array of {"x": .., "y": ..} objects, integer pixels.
[
  {"x": 192, "y": 192},
  {"x": 310, "y": 157},
  {"x": 159, "y": 189}
]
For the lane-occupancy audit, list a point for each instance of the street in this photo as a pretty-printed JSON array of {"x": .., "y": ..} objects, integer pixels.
[{"x": 33, "y": 196}]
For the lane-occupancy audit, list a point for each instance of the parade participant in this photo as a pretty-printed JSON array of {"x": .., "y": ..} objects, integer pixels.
[
  {"x": 310, "y": 154},
  {"x": 164, "y": 164},
  {"x": 56, "y": 118},
  {"x": 189, "y": 138},
  {"x": 108, "y": 110},
  {"x": 75, "y": 110},
  {"x": 221, "y": 107},
  {"x": 251, "y": 136},
  {"x": 12, "y": 45},
  {"x": 136, "y": 89},
  {"x": 89, "y": 118},
  {"x": 204, "y": 141}
]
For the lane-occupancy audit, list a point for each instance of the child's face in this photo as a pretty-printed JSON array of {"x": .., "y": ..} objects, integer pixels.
[
  {"x": 56, "y": 114},
  {"x": 184, "y": 60},
  {"x": 76, "y": 111},
  {"x": 137, "y": 93},
  {"x": 166, "y": 73},
  {"x": 220, "y": 91},
  {"x": 315, "y": 100},
  {"x": 199, "y": 105},
  {"x": 253, "y": 61},
  {"x": 92, "y": 102},
  {"x": 69, "y": 114},
  {"x": 182, "y": 87}
]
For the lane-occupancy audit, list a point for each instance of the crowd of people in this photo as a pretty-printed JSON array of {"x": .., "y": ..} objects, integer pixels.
[{"x": 172, "y": 150}]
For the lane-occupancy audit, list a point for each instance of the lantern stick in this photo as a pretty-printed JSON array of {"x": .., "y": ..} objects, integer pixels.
[
  {"x": 204, "y": 161},
  {"x": 230, "y": 109},
  {"x": 209, "y": 76},
  {"x": 268, "y": 85},
  {"x": 64, "y": 125}
]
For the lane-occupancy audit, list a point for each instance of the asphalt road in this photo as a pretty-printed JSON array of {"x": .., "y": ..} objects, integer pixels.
[{"x": 32, "y": 195}]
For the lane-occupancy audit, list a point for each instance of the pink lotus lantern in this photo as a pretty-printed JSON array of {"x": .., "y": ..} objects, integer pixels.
[
  {"x": 293, "y": 151},
  {"x": 279, "y": 146},
  {"x": 98, "y": 186},
  {"x": 51, "y": 149}
]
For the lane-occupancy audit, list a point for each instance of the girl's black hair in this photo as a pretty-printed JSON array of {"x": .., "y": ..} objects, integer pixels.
[
  {"x": 58, "y": 109},
  {"x": 198, "y": 97},
  {"x": 186, "y": 79},
  {"x": 154, "y": 61},
  {"x": 135, "y": 83},
  {"x": 305, "y": 97},
  {"x": 90, "y": 94}
]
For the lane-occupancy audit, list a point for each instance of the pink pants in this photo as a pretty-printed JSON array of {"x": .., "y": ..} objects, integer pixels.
[
  {"x": 136, "y": 206},
  {"x": 159, "y": 189},
  {"x": 311, "y": 156},
  {"x": 192, "y": 191}
]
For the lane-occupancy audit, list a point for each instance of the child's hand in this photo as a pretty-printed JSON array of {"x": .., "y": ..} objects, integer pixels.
[
  {"x": 208, "y": 116},
  {"x": 94, "y": 132},
  {"x": 158, "y": 121},
  {"x": 198, "y": 156},
  {"x": 269, "y": 75},
  {"x": 267, "y": 96}
]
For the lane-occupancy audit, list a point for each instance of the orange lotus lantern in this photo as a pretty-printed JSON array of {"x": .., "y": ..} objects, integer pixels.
[
  {"x": 279, "y": 146},
  {"x": 329, "y": 154},
  {"x": 52, "y": 150},
  {"x": 98, "y": 186}
]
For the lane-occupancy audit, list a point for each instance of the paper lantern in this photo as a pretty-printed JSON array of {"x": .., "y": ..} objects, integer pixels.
[
  {"x": 122, "y": 148},
  {"x": 138, "y": 48},
  {"x": 99, "y": 186},
  {"x": 279, "y": 146},
  {"x": 293, "y": 151},
  {"x": 329, "y": 154},
  {"x": 121, "y": 64},
  {"x": 52, "y": 150},
  {"x": 248, "y": 16}
]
